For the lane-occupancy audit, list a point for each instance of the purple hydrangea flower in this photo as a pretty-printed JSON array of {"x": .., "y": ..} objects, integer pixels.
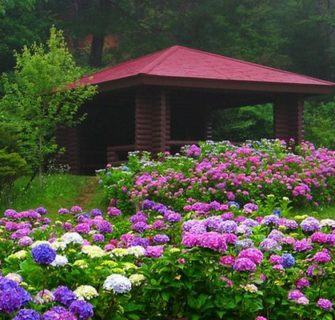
[
  {"x": 302, "y": 245},
  {"x": 113, "y": 212},
  {"x": 96, "y": 212},
  {"x": 63, "y": 211},
  {"x": 41, "y": 210},
  {"x": 25, "y": 241},
  {"x": 27, "y": 314},
  {"x": 270, "y": 220},
  {"x": 270, "y": 245},
  {"x": 12, "y": 296},
  {"x": 310, "y": 224},
  {"x": 325, "y": 304},
  {"x": 98, "y": 237},
  {"x": 161, "y": 238},
  {"x": 227, "y": 227},
  {"x": 173, "y": 217},
  {"x": 59, "y": 313},
  {"x": 104, "y": 226},
  {"x": 154, "y": 251},
  {"x": 138, "y": 217},
  {"x": 64, "y": 295},
  {"x": 82, "y": 309},
  {"x": 288, "y": 260},
  {"x": 140, "y": 226},
  {"x": 43, "y": 254},
  {"x": 138, "y": 241},
  {"x": 83, "y": 228}
]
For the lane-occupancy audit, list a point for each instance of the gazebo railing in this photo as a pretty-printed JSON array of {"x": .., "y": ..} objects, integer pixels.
[{"x": 114, "y": 153}]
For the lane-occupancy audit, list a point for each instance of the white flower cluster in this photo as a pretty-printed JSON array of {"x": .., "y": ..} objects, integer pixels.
[
  {"x": 117, "y": 283},
  {"x": 85, "y": 292},
  {"x": 327, "y": 223},
  {"x": 59, "y": 261},
  {"x": 93, "y": 251},
  {"x": 72, "y": 237},
  {"x": 137, "y": 251}
]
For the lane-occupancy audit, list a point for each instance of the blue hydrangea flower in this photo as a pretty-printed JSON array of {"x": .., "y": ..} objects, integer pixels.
[
  {"x": 82, "y": 309},
  {"x": 276, "y": 212},
  {"x": 288, "y": 260},
  {"x": 43, "y": 254},
  {"x": 27, "y": 314}
]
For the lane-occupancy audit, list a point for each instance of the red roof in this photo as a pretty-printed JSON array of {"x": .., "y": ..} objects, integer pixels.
[{"x": 180, "y": 62}]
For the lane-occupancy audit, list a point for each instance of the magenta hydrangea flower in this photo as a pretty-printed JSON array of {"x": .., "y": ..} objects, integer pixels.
[
  {"x": 253, "y": 254},
  {"x": 322, "y": 257},
  {"x": 113, "y": 211},
  {"x": 154, "y": 251},
  {"x": 244, "y": 264},
  {"x": 325, "y": 304}
]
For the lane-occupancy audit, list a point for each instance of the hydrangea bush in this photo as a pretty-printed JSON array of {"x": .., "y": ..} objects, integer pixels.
[
  {"x": 225, "y": 172},
  {"x": 173, "y": 245}
]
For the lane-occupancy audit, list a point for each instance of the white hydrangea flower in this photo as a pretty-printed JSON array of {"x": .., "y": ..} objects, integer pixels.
[
  {"x": 117, "y": 283},
  {"x": 86, "y": 292},
  {"x": 327, "y": 223},
  {"x": 59, "y": 261},
  {"x": 58, "y": 244},
  {"x": 137, "y": 251},
  {"x": 93, "y": 251},
  {"x": 72, "y": 237}
]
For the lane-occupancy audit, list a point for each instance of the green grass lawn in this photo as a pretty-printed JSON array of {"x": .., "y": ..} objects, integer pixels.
[
  {"x": 56, "y": 191},
  {"x": 320, "y": 213}
]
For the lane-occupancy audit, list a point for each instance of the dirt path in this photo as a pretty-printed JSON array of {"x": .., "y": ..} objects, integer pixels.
[{"x": 87, "y": 193}]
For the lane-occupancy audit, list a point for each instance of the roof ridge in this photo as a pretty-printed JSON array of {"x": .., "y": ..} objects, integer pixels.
[
  {"x": 111, "y": 66},
  {"x": 260, "y": 65},
  {"x": 156, "y": 62}
]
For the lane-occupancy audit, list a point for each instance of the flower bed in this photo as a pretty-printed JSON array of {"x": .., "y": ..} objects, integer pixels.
[
  {"x": 224, "y": 172},
  {"x": 174, "y": 245},
  {"x": 157, "y": 264}
]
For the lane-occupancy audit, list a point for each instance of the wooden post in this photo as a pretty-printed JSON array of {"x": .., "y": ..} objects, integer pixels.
[
  {"x": 143, "y": 120},
  {"x": 160, "y": 122},
  {"x": 209, "y": 124},
  {"x": 288, "y": 117},
  {"x": 68, "y": 138}
]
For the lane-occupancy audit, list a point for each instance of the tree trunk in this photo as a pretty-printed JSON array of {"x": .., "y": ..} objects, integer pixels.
[{"x": 97, "y": 50}]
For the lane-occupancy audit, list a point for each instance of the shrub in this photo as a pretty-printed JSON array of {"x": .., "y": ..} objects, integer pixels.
[{"x": 225, "y": 172}]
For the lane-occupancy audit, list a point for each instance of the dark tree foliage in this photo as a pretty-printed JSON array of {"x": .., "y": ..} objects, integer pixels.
[{"x": 291, "y": 34}]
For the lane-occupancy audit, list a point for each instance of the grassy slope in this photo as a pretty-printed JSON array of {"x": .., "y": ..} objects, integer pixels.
[
  {"x": 64, "y": 190},
  {"x": 56, "y": 191}
]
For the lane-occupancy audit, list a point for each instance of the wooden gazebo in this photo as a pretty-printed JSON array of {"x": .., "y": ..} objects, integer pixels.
[{"x": 163, "y": 100}]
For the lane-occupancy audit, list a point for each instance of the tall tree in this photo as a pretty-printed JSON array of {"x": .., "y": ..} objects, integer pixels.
[{"x": 37, "y": 98}]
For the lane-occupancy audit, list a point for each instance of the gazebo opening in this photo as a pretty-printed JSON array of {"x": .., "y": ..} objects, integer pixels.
[{"x": 243, "y": 123}]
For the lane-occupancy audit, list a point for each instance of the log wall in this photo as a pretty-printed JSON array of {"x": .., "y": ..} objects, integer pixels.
[{"x": 288, "y": 117}]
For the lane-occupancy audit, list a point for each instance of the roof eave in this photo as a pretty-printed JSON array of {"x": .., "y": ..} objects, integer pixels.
[{"x": 153, "y": 80}]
